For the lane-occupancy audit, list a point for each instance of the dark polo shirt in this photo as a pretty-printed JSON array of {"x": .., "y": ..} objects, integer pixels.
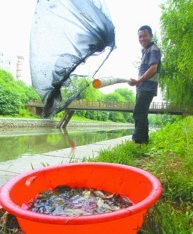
[{"x": 150, "y": 56}]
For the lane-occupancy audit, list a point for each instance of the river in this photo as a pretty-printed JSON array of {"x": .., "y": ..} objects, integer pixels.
[{"x": 19, "y": 142}]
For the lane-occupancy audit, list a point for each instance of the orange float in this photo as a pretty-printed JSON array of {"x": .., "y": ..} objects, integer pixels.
[{"x": 103, "y": 82}]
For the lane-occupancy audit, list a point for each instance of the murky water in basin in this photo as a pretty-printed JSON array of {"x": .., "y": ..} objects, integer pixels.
[{"x": 67, "y": 201}]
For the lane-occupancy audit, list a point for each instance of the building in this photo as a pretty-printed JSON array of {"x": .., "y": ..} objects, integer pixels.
[
  {"x": 13, "y": 64},
  {"x": 19, "y": 67}
]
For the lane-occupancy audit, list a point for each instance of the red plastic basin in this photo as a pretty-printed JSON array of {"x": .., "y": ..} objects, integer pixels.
[{"x": 141, "y": 187}]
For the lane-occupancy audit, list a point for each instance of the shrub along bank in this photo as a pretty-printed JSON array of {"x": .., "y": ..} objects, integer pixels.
[{"x": 169, "y": 156}]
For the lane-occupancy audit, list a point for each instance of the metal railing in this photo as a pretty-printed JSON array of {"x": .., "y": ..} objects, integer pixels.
[{"x": 155, "y": 107}]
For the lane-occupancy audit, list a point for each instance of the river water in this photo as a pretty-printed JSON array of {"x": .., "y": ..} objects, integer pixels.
[{"x": 17, "y": 142}]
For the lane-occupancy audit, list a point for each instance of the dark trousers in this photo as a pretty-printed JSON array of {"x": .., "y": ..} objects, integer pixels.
[{"x": 140, "y": 115}]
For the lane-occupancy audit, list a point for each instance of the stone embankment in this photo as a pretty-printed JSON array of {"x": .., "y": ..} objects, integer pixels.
[{"x": 16, "y": 122}]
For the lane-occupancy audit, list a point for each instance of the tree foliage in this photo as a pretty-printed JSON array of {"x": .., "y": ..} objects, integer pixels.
[
  {"x": 13, "y": 94},
  {"x": 79, "y": 82},
  {"x": 127, "y": 94},
  {"x": 177, "y": 48},
  {"x": 120, "y": 95},
  {"x": 9, "y": 102},
  {"x": 113, "y": 97}
]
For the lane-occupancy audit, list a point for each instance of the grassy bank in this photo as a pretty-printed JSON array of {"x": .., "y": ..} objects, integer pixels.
[
  {"x": 169, "y": 156},
  {"x": 28, "y": 115},
  {"x": 74, "y": 118}
]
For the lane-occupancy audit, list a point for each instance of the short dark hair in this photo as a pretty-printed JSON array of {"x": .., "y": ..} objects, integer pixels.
[{"x": 146, "y": 27}]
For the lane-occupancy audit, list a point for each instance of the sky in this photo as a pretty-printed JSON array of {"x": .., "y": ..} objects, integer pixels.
[{"x": 127, "y": 16}]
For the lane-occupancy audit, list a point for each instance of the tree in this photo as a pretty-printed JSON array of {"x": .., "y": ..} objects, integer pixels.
[
  {"x": 9, "y": 102},
  {"x": 13, "y": 94},
  {"x": 127, "y": 94},
  {"x": 117, "y": 97},
  {"x": 77, "y": 83},
  {"x": 89, "y": 94},
  {"x": 129, "y": 97},
  {"x": 177, "y": 47},
  {"x": 113, "y": 97}
]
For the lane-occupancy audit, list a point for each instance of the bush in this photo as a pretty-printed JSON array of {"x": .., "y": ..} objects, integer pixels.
[
  {"x": 14, "y": 94},
  {"x": 117, "y": 117},
  {"x": 9, "y": 102}
]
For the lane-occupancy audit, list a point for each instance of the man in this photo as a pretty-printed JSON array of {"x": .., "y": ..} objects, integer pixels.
[{"x": 146, "y": 84}]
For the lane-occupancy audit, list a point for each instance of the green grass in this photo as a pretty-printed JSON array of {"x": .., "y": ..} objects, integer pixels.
[
  {"x": 81, "y": 118},
  {"x": 169, "y": 156}
]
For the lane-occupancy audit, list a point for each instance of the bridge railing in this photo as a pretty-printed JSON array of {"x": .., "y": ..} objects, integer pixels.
[
  {"x": 159, "y": 105},
  {"x": 111, "y": 104},
  {"x": 155, "y": 107},
  {"x": 101, "y": 104}
]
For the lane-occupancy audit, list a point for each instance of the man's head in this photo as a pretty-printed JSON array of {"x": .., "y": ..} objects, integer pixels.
[{"x": 145, "y": 36}]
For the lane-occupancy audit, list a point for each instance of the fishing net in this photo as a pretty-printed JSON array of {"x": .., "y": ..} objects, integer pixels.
[{"x": 64, "y": 34}]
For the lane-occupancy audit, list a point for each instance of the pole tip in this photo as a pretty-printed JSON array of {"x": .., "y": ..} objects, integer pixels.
[{"x": 96, "y": 83}]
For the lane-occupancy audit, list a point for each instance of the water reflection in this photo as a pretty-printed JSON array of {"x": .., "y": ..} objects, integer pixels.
[{"x": 15, "y": 143}]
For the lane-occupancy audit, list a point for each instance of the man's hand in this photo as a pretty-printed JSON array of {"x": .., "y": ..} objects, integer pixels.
[{"x": 133, "y": 82}]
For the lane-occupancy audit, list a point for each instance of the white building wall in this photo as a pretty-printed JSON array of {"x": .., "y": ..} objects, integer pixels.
[{"x": 12, "y": 64}]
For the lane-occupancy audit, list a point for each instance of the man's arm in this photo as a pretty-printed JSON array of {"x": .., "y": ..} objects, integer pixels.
[{"x": 147, "y": 75}]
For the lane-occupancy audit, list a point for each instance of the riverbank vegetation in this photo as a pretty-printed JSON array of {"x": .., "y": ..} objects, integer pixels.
[
  {"x": 13, "y": 96},
  {"x": 169, "y": 156}
]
